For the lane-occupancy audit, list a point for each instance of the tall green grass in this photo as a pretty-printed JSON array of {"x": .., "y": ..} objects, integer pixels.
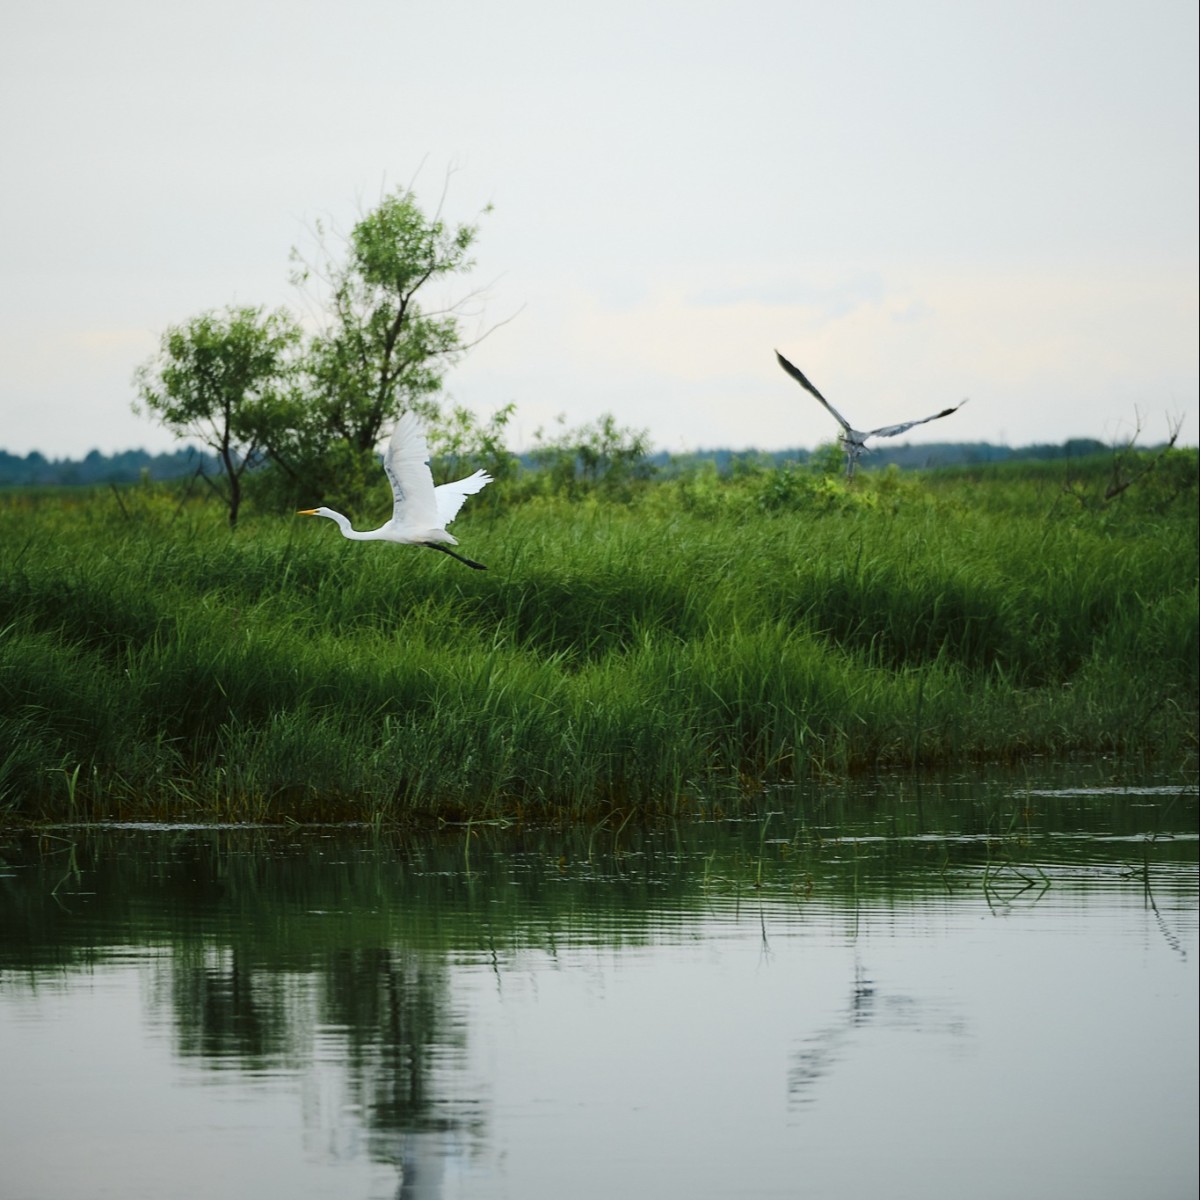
[{"x": 671, "y": 654}]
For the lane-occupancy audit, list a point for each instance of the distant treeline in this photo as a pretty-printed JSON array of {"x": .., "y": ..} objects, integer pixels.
[
  {"x": 130, "y": 466},
  {"x": 905, "y": 456}
]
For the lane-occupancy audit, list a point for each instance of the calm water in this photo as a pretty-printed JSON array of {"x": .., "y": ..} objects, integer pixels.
[{"x": 975, "y": 989}]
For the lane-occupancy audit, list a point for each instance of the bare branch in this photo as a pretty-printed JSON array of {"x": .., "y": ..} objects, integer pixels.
[{"x": 1119, "y": 484}]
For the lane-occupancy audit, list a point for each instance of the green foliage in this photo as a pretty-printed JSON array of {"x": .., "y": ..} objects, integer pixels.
[
  {"x": 794, "y": 488},
  {"x": 599, "y": 457},
  {"x": 829, "y": 459},
  {"x": 1147, "y": 480},
  {"x": 382, "y": 351},
  {"x": 677, "y": 650},
  {"x": 1072, "y": 492},
  {"x": 460, "y": 444},
  {"x": 222, "y": 378},
  {"x": 251, "y": 388}
]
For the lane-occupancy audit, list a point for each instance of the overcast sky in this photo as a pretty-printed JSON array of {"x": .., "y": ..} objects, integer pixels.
[{"x": 916, "y": 202}]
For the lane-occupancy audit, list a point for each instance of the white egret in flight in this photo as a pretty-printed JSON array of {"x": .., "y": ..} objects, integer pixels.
[
  {"x": 854, "y": 440},
  {"x": 420, "y": 511}
]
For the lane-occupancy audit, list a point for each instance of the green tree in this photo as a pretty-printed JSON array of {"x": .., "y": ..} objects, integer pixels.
[
  {"x": 223, "y": 379},
  {"x": 461, "y": 443},
  {"x": 601, "y": 455},
  {"x": 382, "y": 351}
]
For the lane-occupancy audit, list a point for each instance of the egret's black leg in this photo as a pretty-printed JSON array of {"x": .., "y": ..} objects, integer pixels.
[{"x": 447, "y": 550}]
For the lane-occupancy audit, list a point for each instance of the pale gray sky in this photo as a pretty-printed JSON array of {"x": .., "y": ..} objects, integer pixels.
[{"x": 915, "y": 202}]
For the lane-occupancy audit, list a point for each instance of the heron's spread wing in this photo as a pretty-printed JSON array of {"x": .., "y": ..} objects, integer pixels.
[
  {"x": 414, "y": 505},
  {"x": 802, "y": 380},
  {"x": 892, "y": 430},
  {"x": 450, "y": 496}
]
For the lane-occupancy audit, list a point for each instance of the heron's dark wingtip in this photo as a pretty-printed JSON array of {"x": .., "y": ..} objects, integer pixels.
[
  {"x": 787, "y": 366},
  {"x": 798, "y": 375}
]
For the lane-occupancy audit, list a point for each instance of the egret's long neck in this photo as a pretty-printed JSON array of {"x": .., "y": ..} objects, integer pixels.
[{"x": 343, "y": 523}]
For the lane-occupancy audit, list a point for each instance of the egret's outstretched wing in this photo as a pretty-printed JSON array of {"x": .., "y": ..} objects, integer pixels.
[
  {"x": 892, "y": 430},
  {"x": 414, "y": 505},
  {"x": 450, "y": 496},
  {"x": 802, "y": 380}
]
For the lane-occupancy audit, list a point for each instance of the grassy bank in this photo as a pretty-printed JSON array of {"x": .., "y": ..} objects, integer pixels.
[{"x": 670, "y": 652}]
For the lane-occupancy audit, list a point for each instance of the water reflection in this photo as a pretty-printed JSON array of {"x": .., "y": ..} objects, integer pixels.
[
  {"x": 401, "y": 1038},
  {"x": 820, "y": 1052},
  {"x": 455, "y": 1014}
]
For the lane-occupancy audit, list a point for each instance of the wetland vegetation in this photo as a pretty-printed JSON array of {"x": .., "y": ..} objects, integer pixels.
[{"x": 666, "y": 645}]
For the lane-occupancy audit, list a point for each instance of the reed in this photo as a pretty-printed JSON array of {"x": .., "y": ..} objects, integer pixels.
[{"x": 676, "y": 653}]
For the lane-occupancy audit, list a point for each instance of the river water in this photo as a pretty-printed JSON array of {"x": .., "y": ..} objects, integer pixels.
[{"x": 980, "y": 988}]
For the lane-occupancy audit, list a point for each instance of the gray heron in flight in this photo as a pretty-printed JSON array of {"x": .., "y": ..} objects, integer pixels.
[
  {"x": 420, "y": 511},
  {"x": 854, "y": 440}
]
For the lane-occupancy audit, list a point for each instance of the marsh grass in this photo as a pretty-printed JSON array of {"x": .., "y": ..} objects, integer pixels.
[{"x": 665, "y": 655}]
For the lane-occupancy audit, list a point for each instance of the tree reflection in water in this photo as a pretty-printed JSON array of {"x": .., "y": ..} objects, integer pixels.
[{"x": 384, "y": 1015}]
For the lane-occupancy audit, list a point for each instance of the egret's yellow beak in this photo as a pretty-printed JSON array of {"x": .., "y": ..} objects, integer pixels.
[{"x": 306, "y": 512}]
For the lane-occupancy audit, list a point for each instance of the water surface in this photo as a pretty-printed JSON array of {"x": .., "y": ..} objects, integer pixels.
[{"x": 978, "y": 988}]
